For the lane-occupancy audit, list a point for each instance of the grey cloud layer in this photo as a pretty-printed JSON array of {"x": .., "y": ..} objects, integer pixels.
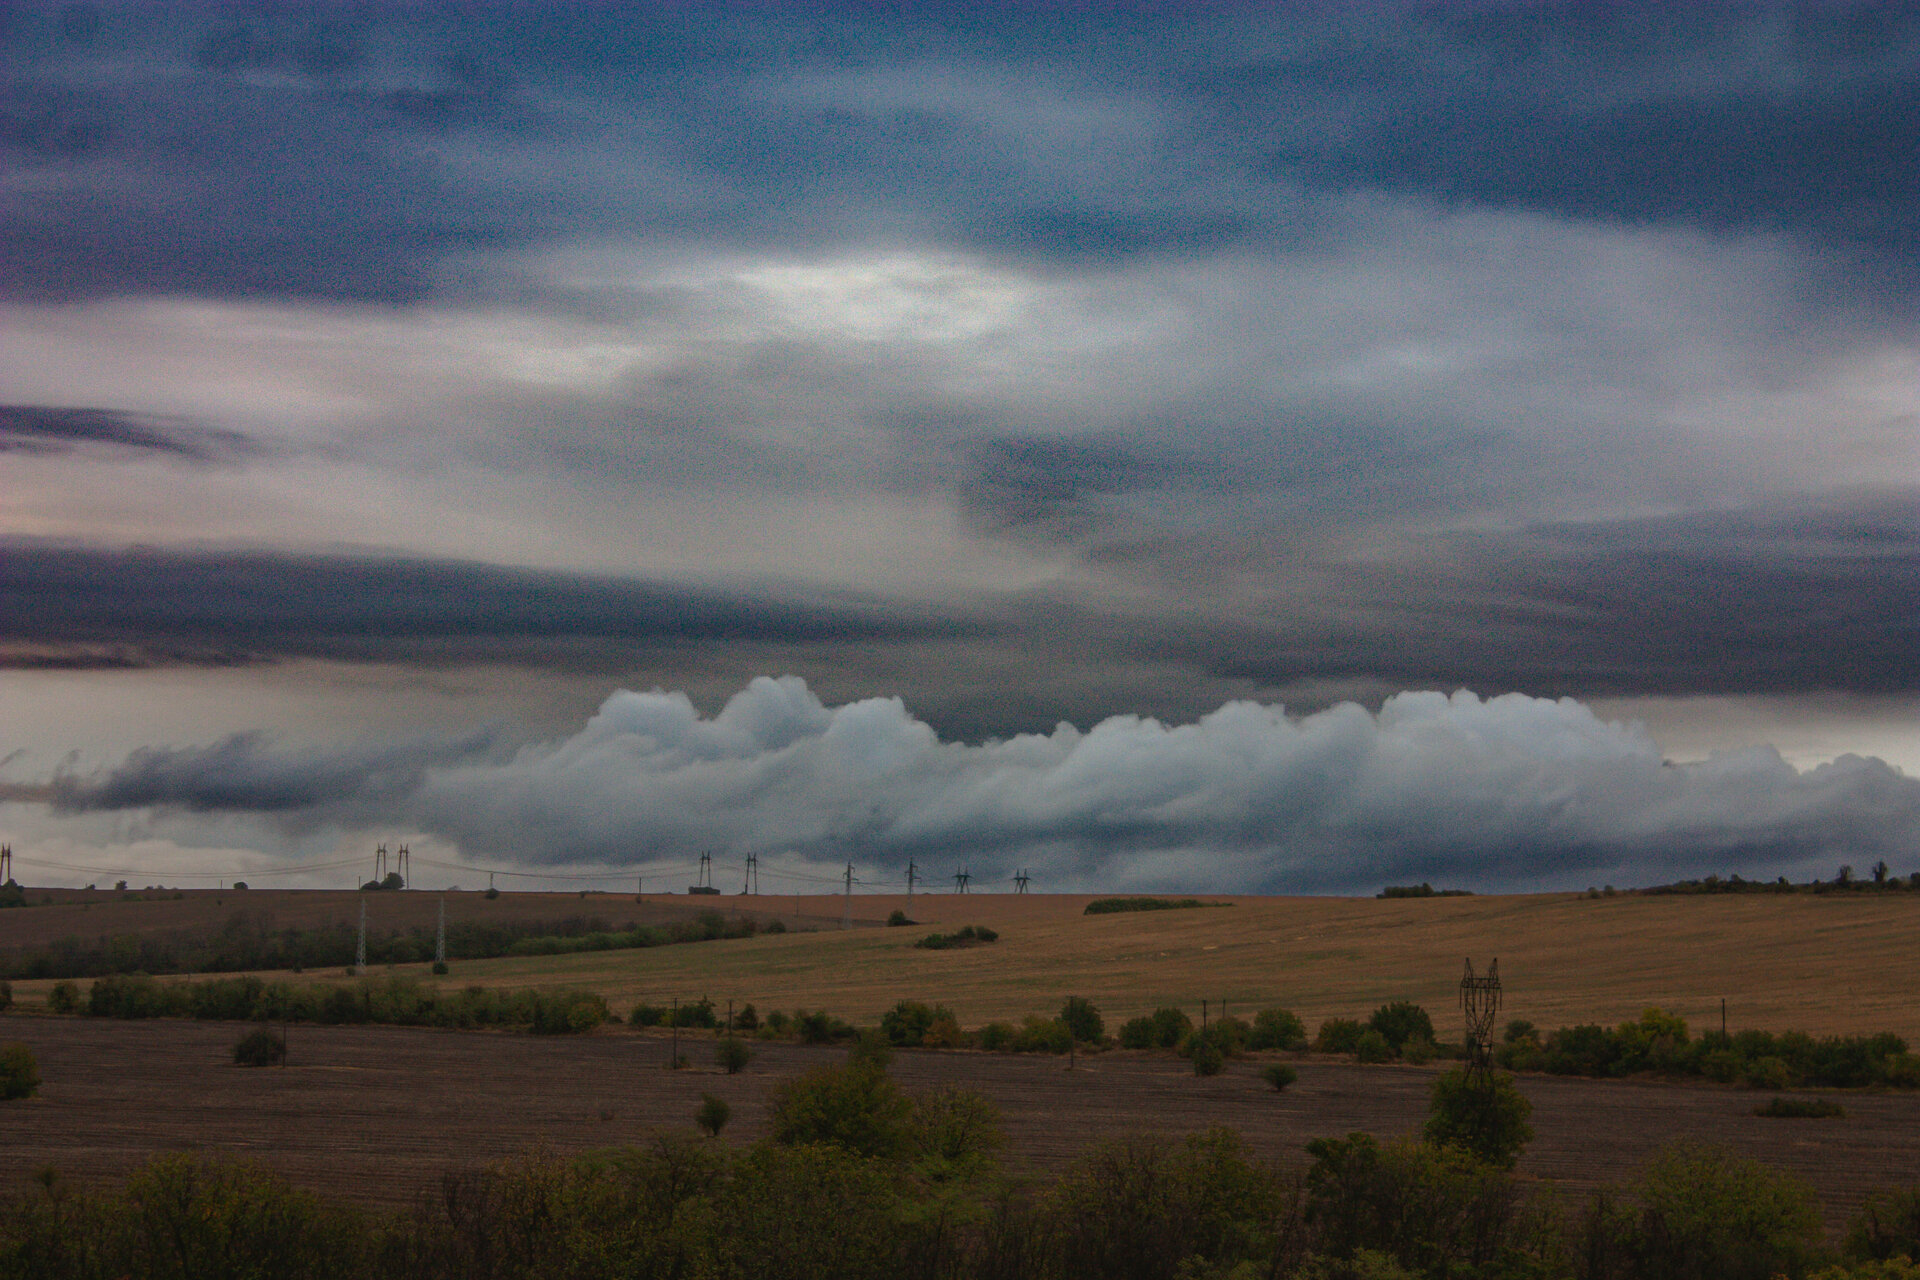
[
  {"x": 223, "y": 607},
  {"x": 1791, "y": 599},
  {"x": 55, "y": 429},
  {"x": 1508, "y": 792},
  {"x": 347, "y": 155}
]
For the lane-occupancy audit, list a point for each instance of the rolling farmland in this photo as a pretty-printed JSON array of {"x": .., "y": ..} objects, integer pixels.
[{"x": 1823, "y": 964}]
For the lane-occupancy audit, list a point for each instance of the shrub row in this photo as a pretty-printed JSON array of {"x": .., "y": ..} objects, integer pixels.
[
  {"x": 819, "y": 1206},
  {"x": 970, "y": 936},
  {"x": 1659, "y": 1043},
  {"x": 1110, "y": 906},
  {"x": 395, "y": 1000},
  {"x": 248, "y": 942}
]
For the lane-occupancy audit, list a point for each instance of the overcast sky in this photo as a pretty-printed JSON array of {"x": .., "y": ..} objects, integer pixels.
[{"x": 1267, "y": 448}]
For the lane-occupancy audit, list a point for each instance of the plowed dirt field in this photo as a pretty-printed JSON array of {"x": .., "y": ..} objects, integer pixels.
[{"x": 373, "y": 1114}]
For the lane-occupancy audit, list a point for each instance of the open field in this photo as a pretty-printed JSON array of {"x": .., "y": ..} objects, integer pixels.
[
  {"x": 1821, "y": 964},
  {"x": 374, "y": 1113},
  {"x": 1824, "y": 964}
]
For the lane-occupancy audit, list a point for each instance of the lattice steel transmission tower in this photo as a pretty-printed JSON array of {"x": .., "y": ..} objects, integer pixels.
[
  {"x": 960, "y": 879},
  {"x": 1020, "y": 881},
  {"x": 1480, "y": 1005},
  {"x": 404, "y": 861},
  {"x": 6, "y": 863},
  {"x": 380, "y": 864}
]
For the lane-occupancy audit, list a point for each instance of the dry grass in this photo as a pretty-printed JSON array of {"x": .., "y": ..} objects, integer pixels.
[{"x": 1824, "y": 964}]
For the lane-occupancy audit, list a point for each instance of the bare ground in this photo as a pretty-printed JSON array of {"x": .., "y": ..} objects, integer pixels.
[{"x": 373, "y": 1114}]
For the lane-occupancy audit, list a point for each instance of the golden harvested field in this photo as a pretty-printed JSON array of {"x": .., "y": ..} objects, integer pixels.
[{"x": 1825, "y": 964}]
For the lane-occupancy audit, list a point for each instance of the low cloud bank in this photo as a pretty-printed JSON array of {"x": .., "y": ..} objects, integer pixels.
[{"x": 1507, "y": 792}]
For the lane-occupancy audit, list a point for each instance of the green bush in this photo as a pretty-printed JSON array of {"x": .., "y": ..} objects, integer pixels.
[
  {"x": 1434, "y": 1211},
  {"x": 747, "y": 1019},
  {"x": 1372, "y": 1047},
  {"x": 955, "y": 1134},
  {"x": 647, "y": 1015},
  {"x": 1147, "y": 1208},
  {"x": 1703, "y": 1213},
  {"x": 1487, "y": 1120},
  {"x": 897, "y": 918},
  {"x": 1041, "y": 1035},
  {"x": 970, "y": 936},
  {"x": 260, "y": 1047},
  {"x": 1338, "y": 1035},
  {"x": 998, "y": 1036},
  {"x": 1111, "y": 906},
  {"x": 907, "y": 1023},
  {"x": 6, "y": 996},
  {"x": 1082, "y": 1020},
  {"x": 1209, "y": 1058},
  {"x": 1162, "y": 1029},
  {"x": 712, "y": 1115},
  {"x": 1400, "y": 1023},
  {"x": 439, "y": 968},
  {"x": 1801, "y": 1109},
  {"x": 1277, "y": 1029},
  {"x": 1279, "y": 1075},
  {"x": 1887, "y": 1226},
  {"x": 732, "y": 1055},
  {"x": 19, "y": 1073},
  {"x": 64, "y": 997},
  {"x": 854, "y": 1107}
]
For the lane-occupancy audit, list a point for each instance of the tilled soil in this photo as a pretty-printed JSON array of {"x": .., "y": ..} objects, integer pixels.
[{"x": 374, "y": 1114}]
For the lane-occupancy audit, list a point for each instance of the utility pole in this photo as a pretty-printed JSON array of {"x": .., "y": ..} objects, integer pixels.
[
  {"x": 911, "y": 869},
  {"x": 673, "y": 1019},
  {"x": 489, "y": 882},
  {"x": 440, "y": 938},
  {"x": 846, "y": 917},
  {"x": 360, "y": 951},
  {"x": 639, "y": 886}
]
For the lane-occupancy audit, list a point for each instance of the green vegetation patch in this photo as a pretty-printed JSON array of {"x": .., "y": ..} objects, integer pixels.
[
  {"x": 1802, "y": 1109},
  {"x": 1112, "y": 906},
  {"x": 973, "y": 935}
]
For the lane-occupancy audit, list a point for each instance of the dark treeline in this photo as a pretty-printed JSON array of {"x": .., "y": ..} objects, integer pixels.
[
  {"x": 861, "y": 1182},
  {"x": 249, "y": 942},
  {"x": 1659, "y": 1044},
  {"x": 394, "y": 1000}
]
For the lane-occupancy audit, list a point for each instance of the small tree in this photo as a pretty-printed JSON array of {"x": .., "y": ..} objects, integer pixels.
[
  {"x": 1209, "y": 1058},
  {"x": 1279, "y": 1075},
  {"x": 1485, "y": 1117},
  {"x": 64, "y": 998},
  {"x": 1401, "y": 1023},
  {"x": 713, "y": 1114},
  {"x": 732, "y": 1054},
  {"x": 854, "y": 1107},
  {"x": 1083, "y": 1020},
  {"x": 260, "y": 1047},
  {"x": 19, "y": 1073}
]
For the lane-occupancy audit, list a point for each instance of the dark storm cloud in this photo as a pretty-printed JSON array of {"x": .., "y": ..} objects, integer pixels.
[
  {"x": 1769, "y": 600},
  {"x": 30, "y": 428},
  {"x": 352, "y": 156},
  {"x": 1509, "y": 792},
  {"x": 171, "y": 606},
  {"x": 244, "y": 773}
]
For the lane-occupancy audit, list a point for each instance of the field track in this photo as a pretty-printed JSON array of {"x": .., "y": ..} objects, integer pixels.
[
  {"x": 373, "y": 1114},
  {"x": 1824, "y": 964}
]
